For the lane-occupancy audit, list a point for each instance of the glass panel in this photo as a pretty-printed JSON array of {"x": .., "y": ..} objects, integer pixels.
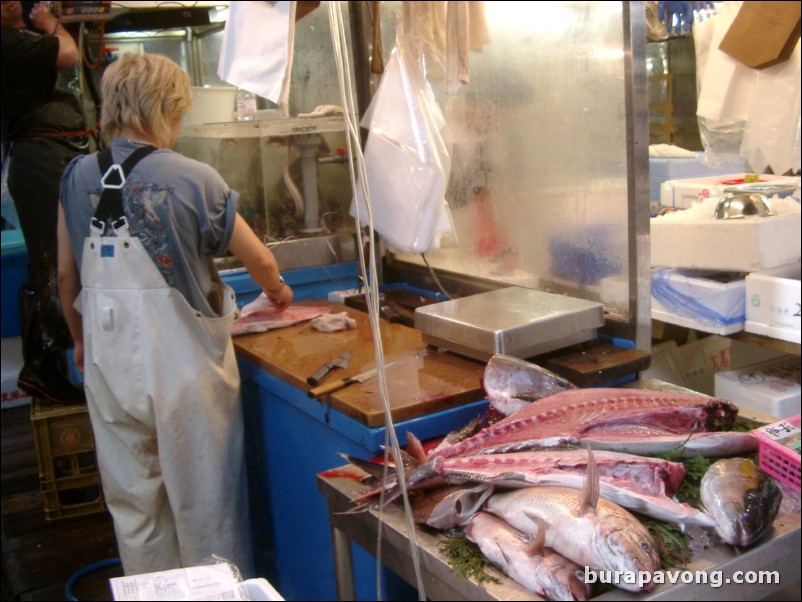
[{"x": 538, "y": 190}]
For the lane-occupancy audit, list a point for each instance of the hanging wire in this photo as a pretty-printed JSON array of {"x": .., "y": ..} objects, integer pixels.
[{"x": 371, "y": 290}]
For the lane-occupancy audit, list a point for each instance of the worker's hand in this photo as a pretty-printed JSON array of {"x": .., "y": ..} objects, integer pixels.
[
  {"x": 281, "y": 298},
  {"x": 78, "y": 356},
  {"x": 679, "y": 17},
  {"x": 43, "y": 18}
]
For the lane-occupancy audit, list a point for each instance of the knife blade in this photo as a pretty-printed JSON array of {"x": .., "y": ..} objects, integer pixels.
[
  {"x": 338, "y": 362},
  {"x": 344, "y": 382}
]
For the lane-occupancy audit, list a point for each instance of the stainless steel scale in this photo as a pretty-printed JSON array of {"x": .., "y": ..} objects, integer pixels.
[{"x": 514, "y": 321}]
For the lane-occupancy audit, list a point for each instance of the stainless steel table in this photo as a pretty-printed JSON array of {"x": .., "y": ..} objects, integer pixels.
[{"x": 779, "y": 552}]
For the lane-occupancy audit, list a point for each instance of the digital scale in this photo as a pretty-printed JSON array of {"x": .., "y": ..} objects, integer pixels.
[{"x": 513, "y": 321}]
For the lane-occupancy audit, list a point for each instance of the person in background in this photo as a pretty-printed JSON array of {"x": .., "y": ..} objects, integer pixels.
[
  {"x": 153, "y": 333},
  {"x": 43, "y": 127}
]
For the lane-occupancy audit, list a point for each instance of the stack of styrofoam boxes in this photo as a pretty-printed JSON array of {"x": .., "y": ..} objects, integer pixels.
[
  {"x": 663, "y": 169},
  {"x": 769, "y": 388},
  {"x": 773, "y": 303},
  {"x": 65, "y": 453},
  {"x": 683, "y": 193},
  {"x": 705, "y": 300}
]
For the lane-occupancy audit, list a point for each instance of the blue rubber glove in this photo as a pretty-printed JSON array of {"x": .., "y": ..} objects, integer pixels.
[{"x": 679, "y": 16}]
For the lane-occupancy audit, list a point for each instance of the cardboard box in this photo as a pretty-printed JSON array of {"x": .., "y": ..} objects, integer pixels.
[
  {"x": 763, "y": 33},
  {"x": 773, "y": 303},
  {"x": 704, "y": 300},
  {"x": 771, "y": 387}
]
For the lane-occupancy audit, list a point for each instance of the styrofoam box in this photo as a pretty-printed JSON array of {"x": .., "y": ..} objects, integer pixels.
[
  {"x": 693, "y": 239},
  {"x": 673, "y": 168},
  {"x": 770, "y": 387},
  {"x": 213, "y": 104},
  {"x": 683, "y": 193},
  {"x": 717, "y": 293},
  {"x": 12, "y": 396},
  {"x": 773, "y": 303}
]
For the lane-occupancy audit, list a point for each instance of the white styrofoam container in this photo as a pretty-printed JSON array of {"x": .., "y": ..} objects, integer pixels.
[
  {"x": 770, "y": 387},
  {"x": 773, "y": 303},
  {"x": 683, "y": 193},
  {"x": 699, "y": 299},
  {"x": 693, "y": 238},
  {"x": 12, "y": 396},
  {"x": 211, "y": 105},
  {"x": 662, "y": 169}
]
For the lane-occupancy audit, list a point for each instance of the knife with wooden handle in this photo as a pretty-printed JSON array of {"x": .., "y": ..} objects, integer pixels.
[
  {"x": 338, "y": 362},
  {"x": 344, "y": 382}
]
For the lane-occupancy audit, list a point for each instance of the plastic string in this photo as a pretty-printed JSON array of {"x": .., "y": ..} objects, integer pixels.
[{"x": 371, "y": 290}]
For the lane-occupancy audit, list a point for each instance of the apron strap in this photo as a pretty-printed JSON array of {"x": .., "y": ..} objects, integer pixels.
[{"x": 110, "y": 206}]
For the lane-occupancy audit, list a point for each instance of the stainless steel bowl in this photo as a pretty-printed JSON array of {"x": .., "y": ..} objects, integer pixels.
[{"x": 740, "y": 205}]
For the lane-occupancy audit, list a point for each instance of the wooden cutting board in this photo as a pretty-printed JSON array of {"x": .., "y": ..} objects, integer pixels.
[{"x": 426, "y": 381}]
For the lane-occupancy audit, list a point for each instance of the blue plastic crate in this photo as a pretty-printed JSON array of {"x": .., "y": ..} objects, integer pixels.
[{"x": 14, "y": 274}]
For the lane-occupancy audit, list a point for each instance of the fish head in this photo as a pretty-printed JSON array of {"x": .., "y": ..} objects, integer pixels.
[
  {"x": 742, "y": 523},
  {"x": 561, "y": 579},
  {"x": 742, "y": 500},
  {"x": 626, "y": 545}
]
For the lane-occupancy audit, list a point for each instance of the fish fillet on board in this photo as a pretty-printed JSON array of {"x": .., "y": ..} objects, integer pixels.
[
  {"x": 260, "y": 315},
  {"x": 601, "y": 413}
]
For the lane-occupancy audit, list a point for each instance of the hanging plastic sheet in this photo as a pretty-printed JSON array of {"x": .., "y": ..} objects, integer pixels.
[
  {"x": 257, "y": 48},
  {"x": 745, "y": 112},
  {"x": 407, "y": 161}
]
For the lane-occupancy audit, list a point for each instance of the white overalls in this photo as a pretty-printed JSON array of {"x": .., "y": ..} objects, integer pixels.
[{"x": 162, "y": 387}]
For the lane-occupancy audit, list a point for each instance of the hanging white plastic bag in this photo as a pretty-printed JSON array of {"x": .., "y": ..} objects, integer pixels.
[
  {"x": 257, "y": 48},
  {"x": 771, "y": 137},
  {"x": 407, "y": 162}
]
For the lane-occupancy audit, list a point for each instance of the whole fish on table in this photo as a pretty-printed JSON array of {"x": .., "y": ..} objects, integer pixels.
[
  {"x": 590, "y": 531},
  {"x": 537, "y": 568},
  {"x": 742, "y": 499}
]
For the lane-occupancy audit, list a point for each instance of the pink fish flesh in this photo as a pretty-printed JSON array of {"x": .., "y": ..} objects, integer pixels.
[
  {"x": 544, "y": 572},
  {"x": 260, "y": 315},
  {"x": 639, "y": 484},
  {"x": 626, "y": 414}
]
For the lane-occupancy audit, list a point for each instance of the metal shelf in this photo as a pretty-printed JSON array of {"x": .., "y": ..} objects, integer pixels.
[{"x": 264, "y": 128}]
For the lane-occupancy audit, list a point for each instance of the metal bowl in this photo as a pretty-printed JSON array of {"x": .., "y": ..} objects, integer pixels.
[{"x": 740, "y": 205}]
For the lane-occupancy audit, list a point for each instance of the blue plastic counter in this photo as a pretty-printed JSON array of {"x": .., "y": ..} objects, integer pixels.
[{"x": 290, "y": 438}]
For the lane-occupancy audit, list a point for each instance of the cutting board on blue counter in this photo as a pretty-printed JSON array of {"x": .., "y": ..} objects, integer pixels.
[{"x": 425, "y": 380}]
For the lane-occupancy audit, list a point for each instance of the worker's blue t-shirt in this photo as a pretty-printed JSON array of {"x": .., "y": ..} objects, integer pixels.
[{"x": 181, "y": 209}]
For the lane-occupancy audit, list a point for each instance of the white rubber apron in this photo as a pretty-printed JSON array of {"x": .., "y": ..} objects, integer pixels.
[{"x": 162, "y": 387}]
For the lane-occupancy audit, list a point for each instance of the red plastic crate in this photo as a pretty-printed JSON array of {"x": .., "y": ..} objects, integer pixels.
[{"x": 776, "y": 458}]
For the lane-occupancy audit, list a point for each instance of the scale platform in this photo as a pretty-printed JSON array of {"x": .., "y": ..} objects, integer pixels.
[{"x": 514, "y": 321}]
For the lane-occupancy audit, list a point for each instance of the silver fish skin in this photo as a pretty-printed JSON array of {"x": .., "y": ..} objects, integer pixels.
[
  {"x": 546, "y": 572},
  {"x": 741, "y": 499},
  {"x": 448, "y": 507},
  {"x": 511, "y": 384},
  {"x": 592, "y": 532},
  {"x": 608, "y": 539},
  {"x": 625, "y": 414}
]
